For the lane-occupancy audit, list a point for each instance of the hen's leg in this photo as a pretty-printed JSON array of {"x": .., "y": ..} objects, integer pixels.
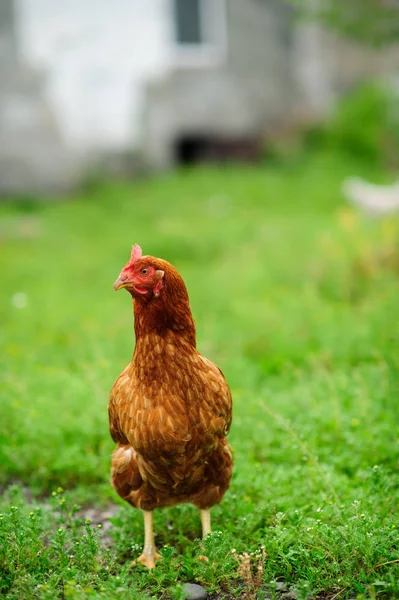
[
  {"x": 150, "y": 554},
  {"x": 206, "y": 522}
]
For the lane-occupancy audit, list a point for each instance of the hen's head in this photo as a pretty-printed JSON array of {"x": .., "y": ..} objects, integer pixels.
[
  {"x": 142, "y": 276},
  {"x": 161, "y": 299}
]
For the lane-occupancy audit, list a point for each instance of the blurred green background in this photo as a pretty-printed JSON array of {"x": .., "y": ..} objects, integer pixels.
[{"x": 295, "y": 296}]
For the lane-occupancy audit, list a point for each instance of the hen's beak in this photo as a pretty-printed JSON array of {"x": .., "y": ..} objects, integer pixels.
[{"x": 122, "y": 283}]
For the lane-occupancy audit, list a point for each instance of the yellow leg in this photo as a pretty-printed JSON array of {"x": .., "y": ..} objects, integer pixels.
[
  {"x": 150, "y": 554},
  {"x": 206, "y": 522}
]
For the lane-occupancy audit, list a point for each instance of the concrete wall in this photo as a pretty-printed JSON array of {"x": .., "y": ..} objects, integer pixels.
[
  {"x": 232, "y": 96},
  {"x": 33, "y": 156},
  {"x": 97, "y": 56},
  {"x": 86, "y": 82},
  {"x": 325, "y": 66}
]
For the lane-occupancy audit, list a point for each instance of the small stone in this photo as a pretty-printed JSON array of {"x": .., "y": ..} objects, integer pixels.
[
  {"x": 192, "y": 591},
  {"x": 280, "y": 586}
]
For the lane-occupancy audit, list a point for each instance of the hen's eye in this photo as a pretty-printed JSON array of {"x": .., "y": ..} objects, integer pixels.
[{"x": 144, "y": 271}]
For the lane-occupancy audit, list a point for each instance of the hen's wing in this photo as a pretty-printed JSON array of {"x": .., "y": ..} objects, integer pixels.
[
  {"x": 117, "y": 405},
  {"x": 214, "y": 398}
]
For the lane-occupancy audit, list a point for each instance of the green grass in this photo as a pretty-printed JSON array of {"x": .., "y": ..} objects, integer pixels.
[{"x": 295, "y": 297}]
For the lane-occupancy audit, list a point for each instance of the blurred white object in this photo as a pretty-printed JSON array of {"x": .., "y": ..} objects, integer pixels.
[
  {"x": 376, "y": 200},
  {"x": 19, "y": 300}
]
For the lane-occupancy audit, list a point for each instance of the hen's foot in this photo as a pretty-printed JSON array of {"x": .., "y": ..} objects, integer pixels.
[
  {"x": 149, "y": 559},
  {"x": 150, "y": 555}
]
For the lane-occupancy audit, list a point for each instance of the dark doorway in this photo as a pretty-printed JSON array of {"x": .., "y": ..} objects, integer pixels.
[{"x": 198, "y": 149}]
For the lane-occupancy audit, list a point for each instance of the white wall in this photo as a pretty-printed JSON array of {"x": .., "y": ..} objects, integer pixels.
[
  {"x": 313, "y": 68},
  {"x": 96, "y": 55}
]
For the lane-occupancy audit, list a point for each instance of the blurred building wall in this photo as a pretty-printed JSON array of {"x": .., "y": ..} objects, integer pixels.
[
  {"x": 225, "y": 89},
  {"x": 97, "y": 57},
  {"x": 87, "y": 82},
  {"x": 325, "y": 66},
  {"x": 33, "y": 155}
]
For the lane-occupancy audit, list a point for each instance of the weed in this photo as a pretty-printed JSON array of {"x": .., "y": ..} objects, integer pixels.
[
  {"x": 250, "y": 569},
  {"x": 295, "y": 298}
]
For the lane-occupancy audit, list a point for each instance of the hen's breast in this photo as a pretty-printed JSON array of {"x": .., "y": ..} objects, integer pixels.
[{"x": 171, "y": 403}]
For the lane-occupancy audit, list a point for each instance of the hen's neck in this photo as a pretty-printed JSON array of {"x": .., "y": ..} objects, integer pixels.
[{"x": 162, "y": 315}]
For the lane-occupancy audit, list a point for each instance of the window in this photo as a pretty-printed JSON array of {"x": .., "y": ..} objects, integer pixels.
[
  {"x": 188, "y": 21},
  {"x": 199, "y": 31}
]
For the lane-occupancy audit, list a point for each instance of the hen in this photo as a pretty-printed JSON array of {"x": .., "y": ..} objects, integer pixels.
[{"x": 170, "y": 409}]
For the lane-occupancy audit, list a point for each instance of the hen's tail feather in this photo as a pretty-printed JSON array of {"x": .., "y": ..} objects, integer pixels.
[
  {"x": 125, "y": 474},
  {"x": 218, "y": 472},
  {"x": 130, "y": 482},
  {"x": 204, "y": 486}
]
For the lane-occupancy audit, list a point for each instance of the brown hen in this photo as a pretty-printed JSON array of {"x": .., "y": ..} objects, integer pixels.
[{"x": 170, "y": 409}]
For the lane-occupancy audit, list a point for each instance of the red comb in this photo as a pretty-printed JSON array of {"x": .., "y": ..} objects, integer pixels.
[
  {"x": 135, "y": 256},
  {"x": 137, "y": 253}
]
